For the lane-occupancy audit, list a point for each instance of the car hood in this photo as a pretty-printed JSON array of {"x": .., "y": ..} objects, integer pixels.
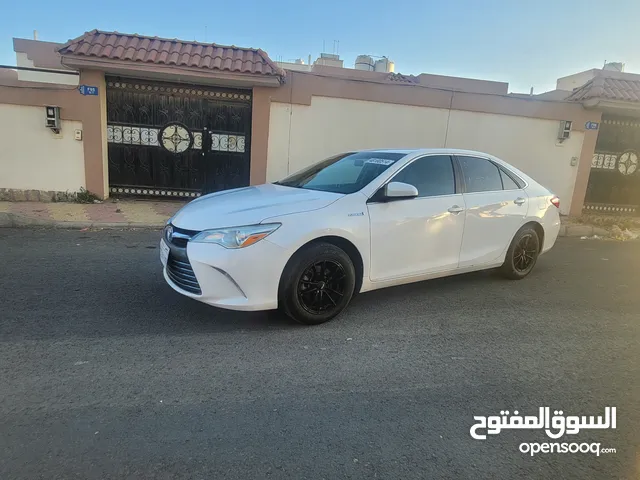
[{"x": 249, "y": 206}]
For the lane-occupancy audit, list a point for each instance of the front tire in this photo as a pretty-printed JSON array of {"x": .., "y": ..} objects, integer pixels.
[
  {"x": 522, "y": 254},
  {"x": 317, "y": 284}
]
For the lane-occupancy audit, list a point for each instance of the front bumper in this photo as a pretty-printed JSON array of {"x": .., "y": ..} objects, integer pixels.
[{"x": 235, "y": 279}]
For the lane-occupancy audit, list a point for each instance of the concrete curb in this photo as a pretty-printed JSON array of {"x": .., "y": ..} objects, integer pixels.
[
  {"x": 13, "y": 220},
  {"x": 582, "y": 231}
]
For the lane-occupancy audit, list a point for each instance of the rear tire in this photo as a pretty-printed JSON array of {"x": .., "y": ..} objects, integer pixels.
[
  {"x": 522, "y": 254},
  {"x": 317, "y": 284}
]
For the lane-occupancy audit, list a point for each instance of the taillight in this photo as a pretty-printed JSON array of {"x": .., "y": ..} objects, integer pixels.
[{"x": 556, "y": 201}]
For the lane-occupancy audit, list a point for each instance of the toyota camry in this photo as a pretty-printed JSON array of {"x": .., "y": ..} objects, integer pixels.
[{"x": 357, "y": 222}]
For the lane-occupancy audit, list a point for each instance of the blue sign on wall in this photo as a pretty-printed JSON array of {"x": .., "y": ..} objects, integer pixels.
[
  {"x": 87, "y": 90},
  {"x": 591, "y": 125}
]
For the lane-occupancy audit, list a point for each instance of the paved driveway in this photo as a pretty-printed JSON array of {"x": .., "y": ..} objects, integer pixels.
[{"x": 105, "y": 372}]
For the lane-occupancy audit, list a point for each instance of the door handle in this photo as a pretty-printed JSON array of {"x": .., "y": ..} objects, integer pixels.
[
  {"x": 456, "y": 209},
  {"x": 519, "y": 201}
]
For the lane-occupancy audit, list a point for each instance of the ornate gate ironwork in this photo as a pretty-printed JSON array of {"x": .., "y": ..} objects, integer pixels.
[
  {"x": 614, "y": 181},
  {"x": 176, "y": 140}
]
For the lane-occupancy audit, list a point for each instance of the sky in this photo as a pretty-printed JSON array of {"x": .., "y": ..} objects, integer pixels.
[{"x": 525, "y": 43}]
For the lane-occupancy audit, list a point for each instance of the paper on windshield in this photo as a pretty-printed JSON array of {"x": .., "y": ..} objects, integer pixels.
[{"x": 380, "y": 161}]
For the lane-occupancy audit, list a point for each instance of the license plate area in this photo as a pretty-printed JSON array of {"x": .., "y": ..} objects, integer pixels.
[{"x": 164, "y": 252}]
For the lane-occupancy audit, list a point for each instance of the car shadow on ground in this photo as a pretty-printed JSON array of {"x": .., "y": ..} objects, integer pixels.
[
  {"x": 129, "y": 296},
  {"x": 403, "y": 299}
]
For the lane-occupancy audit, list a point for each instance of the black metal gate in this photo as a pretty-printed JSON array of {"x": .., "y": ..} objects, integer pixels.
[
  {"x": 176, "y": 140},
  {"x": 614, "y": 181}
]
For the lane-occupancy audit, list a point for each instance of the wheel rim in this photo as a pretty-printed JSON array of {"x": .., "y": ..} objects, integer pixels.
[
  {"x": 321, "y": 287},
  {"x": 524, "y": 255}
]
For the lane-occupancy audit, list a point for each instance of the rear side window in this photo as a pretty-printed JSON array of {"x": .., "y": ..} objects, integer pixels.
[
  {"x": 507, "y": 181},
  {"x": 432, "y": 176},
  {"x": 480, "y": 175}
]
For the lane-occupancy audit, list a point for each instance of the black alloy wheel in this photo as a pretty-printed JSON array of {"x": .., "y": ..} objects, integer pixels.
[
  {"x": 522, "y": 254},
  {"x": 322, "y": 286},
  {"x": 317, "y": 284}
]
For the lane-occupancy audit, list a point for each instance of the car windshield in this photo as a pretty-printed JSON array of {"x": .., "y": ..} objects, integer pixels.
[{"x": 345, "y": 173}]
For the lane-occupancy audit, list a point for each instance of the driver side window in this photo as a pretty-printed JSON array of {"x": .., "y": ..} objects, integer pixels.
[{"x": 432, "y": 176}]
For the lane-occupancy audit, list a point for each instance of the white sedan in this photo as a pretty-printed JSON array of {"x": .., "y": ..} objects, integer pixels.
[{"x": 357, "y": 222}]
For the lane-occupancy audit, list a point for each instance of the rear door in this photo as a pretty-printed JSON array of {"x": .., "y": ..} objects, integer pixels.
[
  {"x": 496, "y": 207},
  {"x": 412, "y": 237}
]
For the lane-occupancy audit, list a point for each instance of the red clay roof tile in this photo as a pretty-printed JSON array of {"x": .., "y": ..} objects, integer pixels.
[
  {"x": 161, "y": 51},
  {"x": 607, "y": 88}
]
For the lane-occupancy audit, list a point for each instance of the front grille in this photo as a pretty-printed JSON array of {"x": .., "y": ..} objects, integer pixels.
[
  {"x": 181, "y": 273},
  {"x": 182, "y": 236}
]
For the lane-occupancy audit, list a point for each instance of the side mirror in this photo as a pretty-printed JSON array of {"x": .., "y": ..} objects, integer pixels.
[{"x": 399, "y": 191}]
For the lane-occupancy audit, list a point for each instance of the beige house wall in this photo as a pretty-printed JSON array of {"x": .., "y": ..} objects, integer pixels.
[
  {"x": 36, "y": 158},
  {"x": 88, "y": 111},
  {"x": 527, "y": 143},
  {"x": 315, "y": 115},
  {"x": 300, "y": 135}
]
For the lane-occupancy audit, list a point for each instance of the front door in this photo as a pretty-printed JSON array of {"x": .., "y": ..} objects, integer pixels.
[
  {"x": 421, "y": 235},
  {"x": 176, "y": 140},
  {"x": 496, "y": 207}
]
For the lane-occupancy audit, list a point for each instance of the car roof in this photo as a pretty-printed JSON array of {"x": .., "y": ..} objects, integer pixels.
[
  {"x": 454, "y": 151},
  {"x": 410, "y": 151}
]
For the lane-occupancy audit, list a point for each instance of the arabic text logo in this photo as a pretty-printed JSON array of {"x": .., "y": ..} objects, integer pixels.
[{"x": 555, "y": 427}]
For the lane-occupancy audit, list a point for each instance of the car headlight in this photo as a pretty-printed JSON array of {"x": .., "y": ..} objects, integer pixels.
[{"x": 237, "y": 237}]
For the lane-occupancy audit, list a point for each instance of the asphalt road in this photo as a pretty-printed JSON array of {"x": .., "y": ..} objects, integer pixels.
[{"x": 105, "y": 372}]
